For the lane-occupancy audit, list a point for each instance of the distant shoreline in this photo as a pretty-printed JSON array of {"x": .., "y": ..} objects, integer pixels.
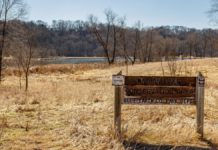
[
  {"x": 73, "y": 60},
  {"x": 64, "y": 57}
]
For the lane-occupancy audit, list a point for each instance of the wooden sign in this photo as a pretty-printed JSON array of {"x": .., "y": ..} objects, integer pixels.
[
  {"x": 160, "y": 81},
  {"x": 156, "y": 90},
  {"x": 159, "y": 90}
]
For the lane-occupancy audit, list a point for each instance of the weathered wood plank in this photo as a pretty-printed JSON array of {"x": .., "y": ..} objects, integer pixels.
[
  {"x": 159, "y": 92},
  {"x": 162, "y": 81},
  {"x": 162, "y": 101}
]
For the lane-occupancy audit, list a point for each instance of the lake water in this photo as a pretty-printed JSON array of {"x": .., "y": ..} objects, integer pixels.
[{"x": 75, "y": 60}]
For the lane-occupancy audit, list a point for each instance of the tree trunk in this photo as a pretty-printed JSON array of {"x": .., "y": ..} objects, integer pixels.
[
  {"x": 27, "y": 80},
  {"x": 1, "y": 48},
  {"x": 20, "y": 81},
  {"x": 211, "y": 52},
  {"x": 190, "y": 53},
  {"x": 150, "y": 45},
  {"x": 204, "y": 52},
  {"x": 20, "y": 75},
  {"x": 107, "y": 55},
  {"x": 115, "y": 45},
  {"x": 1, "y": 57}
]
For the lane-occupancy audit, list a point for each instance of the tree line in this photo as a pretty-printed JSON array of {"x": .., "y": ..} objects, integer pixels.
[{"x": 111, "y": 40}]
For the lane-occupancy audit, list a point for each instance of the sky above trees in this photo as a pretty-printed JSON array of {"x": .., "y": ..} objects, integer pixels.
[{"x": 190, "y": 13}]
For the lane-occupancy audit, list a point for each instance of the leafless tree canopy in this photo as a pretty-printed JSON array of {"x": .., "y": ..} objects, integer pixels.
[
  {"x": 23, "y": 47},
  {"x": 108, "y": 36},
  {"x": 12, "y": 9},
  {"x": 9, "y": 10},
  {"x": 213, "y": 12}
]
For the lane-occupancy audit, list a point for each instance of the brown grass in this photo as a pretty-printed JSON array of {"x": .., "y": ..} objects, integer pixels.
[
  {"x": 61, "y": 68},
  {"x": 74, "y": 110}
]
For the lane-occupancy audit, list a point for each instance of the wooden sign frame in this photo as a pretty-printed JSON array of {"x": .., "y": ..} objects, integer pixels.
[{"x": 158, "y": 90}]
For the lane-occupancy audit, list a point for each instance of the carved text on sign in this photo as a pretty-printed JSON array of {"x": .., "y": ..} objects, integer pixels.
[
  {"x": 162, "y": 81},
  {"x": 145, "y": 91},
  {"x": 167, "y": 101}
]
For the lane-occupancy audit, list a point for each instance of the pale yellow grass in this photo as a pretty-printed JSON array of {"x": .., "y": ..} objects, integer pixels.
[{"x": 75, "y": 111}]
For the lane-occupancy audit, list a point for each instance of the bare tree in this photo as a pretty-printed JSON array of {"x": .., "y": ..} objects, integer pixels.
[
  {"x": 212, "y": 40},
  {"x": 110, "y": 34},
  {"x": 192, "y": 42},
  {"x": 93, "y": 25},
  {"x": 123, "y": 38},
  {"x": 123, "y": 41},
  {"x": 9, "y": 10},
  {"x": 25, "y": 45},
  {"x": 204, "y": 42},
  {"x": 138, "y": 42},
  {"x": 147, "y": 45},
  {"x": 213, "y": 12},
  {"x": 111, "y": 18}
]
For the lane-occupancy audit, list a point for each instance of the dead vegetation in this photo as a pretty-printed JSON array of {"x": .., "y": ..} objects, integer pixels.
[
  {"x": 75, "y": 111},
  {"x": 63, "y": 68}
]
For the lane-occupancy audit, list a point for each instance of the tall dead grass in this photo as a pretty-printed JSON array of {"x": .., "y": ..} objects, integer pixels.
[
  {"x": 75, "y": 111},
  {"x": 61, "y": 68}
]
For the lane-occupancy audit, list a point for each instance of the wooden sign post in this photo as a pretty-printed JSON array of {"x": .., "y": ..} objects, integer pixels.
[
  {"x": 118, "y": 82},
  {"x": 200, "y": 82},
  {"x": 156, "y": 90}
]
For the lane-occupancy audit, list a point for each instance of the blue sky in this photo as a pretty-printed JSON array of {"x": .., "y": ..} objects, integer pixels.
[{"x": 190, "y": 13}]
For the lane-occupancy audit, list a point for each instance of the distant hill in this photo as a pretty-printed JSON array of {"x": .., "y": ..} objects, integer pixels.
[{"x": 73, "y": 38}]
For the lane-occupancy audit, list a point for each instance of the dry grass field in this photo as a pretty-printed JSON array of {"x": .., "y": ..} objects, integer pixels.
[{"x": 73, "y": 110}]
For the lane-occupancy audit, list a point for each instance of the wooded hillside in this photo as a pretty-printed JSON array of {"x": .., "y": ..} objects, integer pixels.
[{"x": 77, "y": 38}]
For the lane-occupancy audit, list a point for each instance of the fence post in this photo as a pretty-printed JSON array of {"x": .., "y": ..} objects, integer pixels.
[{"x": 200, "y": 82}]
